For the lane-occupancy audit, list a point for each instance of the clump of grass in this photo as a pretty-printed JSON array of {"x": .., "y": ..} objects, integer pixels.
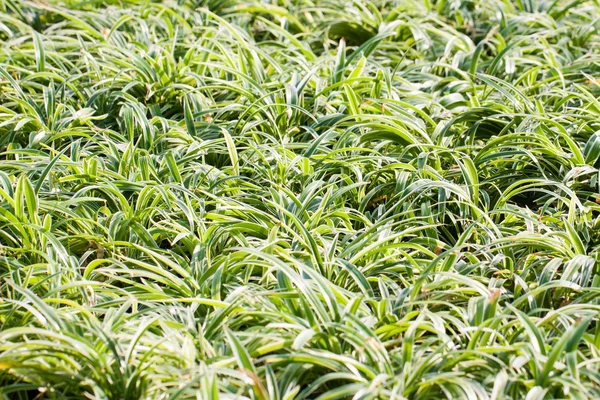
[{"x": 299, "y": 199}]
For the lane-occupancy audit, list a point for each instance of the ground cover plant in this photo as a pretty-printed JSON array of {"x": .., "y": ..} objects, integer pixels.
[{"x": 299, "y": 199}]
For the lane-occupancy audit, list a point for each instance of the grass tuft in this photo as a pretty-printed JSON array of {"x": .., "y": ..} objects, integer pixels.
[{"x": 308, "y": 199}]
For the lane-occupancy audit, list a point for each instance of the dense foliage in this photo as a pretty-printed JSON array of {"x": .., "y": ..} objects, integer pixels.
[{"x": 299, "y": 199}]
